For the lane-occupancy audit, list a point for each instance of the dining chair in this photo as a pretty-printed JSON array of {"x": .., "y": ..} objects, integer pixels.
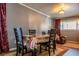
[
  {"x": 43, "y": 33},
  {"x": 51, "y": 42},
  {"x": 32, "y": 32},
  {"x": 48, "y": 32},
  {"x": 19, "y": 41}
]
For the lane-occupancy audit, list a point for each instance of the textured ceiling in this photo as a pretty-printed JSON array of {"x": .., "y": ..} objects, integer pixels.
[{"x": 71, "y": 9}]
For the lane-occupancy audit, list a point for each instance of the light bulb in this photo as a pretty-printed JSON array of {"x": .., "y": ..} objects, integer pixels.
[{"x": 61, "y": 11}]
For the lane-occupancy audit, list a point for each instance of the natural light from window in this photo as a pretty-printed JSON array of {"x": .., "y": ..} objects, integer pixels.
[{"x": 69, "y": 25}]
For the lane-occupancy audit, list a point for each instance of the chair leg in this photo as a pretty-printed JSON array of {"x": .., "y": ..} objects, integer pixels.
[
  {"x": 17, "y": 51},
  {"x": 22, "y": 52},
  {"x": 49, "y": 51},
  {"x": 54, "y": 46},
  {"x": 26, "y": 49},
  {"x": 40, "y": 48}
]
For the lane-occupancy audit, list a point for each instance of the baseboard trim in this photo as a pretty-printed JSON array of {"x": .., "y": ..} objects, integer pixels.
[{"x": 12, "y": 49}]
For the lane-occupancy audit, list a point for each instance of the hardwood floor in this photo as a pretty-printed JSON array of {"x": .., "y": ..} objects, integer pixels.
[
  {"x": 62, "y": 50},
  {"x": 58, "y": 52},
  {"x": 71, "y": 45}
]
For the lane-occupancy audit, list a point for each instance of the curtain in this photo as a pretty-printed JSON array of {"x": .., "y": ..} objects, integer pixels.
[
  {"x": 57, "y": 26},
  {"x": 4, "y": 46}
]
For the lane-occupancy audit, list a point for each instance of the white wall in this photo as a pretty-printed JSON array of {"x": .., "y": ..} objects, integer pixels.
[
  {"x": 19, "y": 16},
  {"x": 38, "y": 22},
  {"x": 46, "y": 24}
]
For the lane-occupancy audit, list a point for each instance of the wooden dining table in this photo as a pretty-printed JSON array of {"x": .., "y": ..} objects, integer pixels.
[{"x": 41, "y": 39}]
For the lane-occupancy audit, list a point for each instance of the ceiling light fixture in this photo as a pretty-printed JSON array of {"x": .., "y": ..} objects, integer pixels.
[{"x": 61, "y": 11}]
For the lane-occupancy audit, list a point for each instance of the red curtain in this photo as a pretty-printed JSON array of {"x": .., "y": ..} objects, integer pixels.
[
  {"x": 57, "y": 26},
  {"x": 4, "y": 46}
]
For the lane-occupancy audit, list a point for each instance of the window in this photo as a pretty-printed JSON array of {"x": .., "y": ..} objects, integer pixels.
[
  {"x": 78, "y": 24},
  {"x": 71, "y": 24}
]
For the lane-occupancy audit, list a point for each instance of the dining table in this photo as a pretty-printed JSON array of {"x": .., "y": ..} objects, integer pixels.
[{"x": 41, "y": 39}]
